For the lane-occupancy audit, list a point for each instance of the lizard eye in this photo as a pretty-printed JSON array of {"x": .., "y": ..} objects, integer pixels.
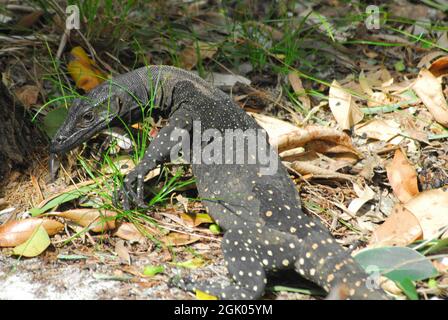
[{"x": 88, "y": 116}]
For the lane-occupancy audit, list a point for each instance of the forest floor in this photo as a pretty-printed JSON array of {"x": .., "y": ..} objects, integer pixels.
[{"x": 363, "y": 97}]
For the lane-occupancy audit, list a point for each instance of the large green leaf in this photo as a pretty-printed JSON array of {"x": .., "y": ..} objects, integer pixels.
[
  {"x": 399, "y": 264},
  {"x": 53, "y": 120}
]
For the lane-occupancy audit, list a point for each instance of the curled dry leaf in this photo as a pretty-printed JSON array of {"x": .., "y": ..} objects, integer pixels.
[
  {"x": 429, "y": 90},
  {"x": 274, "y": 127},
  {"x": 431, "y": 210},
  {"x": 305, "y": 168},
  {"x": 300, "y": 137},
  {"x": 439, "y": 67},
  {"x": 96, "y": 220},
  {"x": 401, "y": 228},
  {"x": 344, "y": 109},
  {"x": 14, "y": 233},
  {"x": 402, "y": 177}
]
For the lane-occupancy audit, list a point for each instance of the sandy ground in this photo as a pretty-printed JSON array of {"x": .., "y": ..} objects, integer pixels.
[{"x": 36, "y": 279}]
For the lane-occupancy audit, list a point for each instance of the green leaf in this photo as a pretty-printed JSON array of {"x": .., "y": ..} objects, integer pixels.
[
  {"x": 399, "y": 66},
  {"x": 35, "y": 245},
  {"x": 397, "y": 263},
  {"x": 191, "y": 264},
  {"x": 408, "y": 287},
  {"x": 53, "y": 120},
  {"x": 153, "y": 270},
  {"x": 215, "y": 228},
  {"x": 62, "y": 198}
]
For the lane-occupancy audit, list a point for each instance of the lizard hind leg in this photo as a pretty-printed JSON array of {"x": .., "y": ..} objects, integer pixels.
[{"x": 246, "y": 271}]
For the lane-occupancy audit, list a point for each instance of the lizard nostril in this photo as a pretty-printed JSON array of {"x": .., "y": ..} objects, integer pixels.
[{"x": 59, "y": 139}]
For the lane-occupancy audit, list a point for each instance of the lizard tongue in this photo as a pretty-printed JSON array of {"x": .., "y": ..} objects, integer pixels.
[{"x": 53, "y": 166}]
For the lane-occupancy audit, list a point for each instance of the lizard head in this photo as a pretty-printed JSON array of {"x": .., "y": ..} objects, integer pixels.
[{"x": 89, "y": 115}]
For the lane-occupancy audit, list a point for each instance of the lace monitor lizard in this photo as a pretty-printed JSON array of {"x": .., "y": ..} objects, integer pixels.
[{"x": 264, "y": 226}]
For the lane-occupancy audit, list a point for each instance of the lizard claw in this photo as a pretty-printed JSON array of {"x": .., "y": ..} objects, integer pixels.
[{"x": 127, "y": 194}]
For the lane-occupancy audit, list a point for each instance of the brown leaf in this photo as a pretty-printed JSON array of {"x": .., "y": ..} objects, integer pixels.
[
  {"x": 297, "y": 86},
  {"x": 189, "y": 56},
  {"x": 379, "y": 129},
  {"x": 14, "y": 233},
  {"x": 300, "y": 137},
  {"x": 401, "y": 228},
  {"x": 439, "y": 67},
  {"x": 402, "y": 177},
  {"x": 178, "y": 239},
  {"x": 274, "y": 127},
  {"x": 27, "y": 95},
  {"x": 344, "y": 109},
  {"x": 30, "y": 19},
  {"x": 429, "y": 90},
  {"x": 431, "y": 210},
  {"x": 122, "y": 252},
  {"x": 97, "y": 220},
  {"x": 193, "y": 220},
  {"x": 128, "y": 231}
]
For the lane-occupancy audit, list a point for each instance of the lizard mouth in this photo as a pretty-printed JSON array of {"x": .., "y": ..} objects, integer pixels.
[{"x": 61, "y": 144}]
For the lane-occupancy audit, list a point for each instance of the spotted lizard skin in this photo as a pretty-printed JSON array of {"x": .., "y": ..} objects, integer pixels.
[{"x": 265, "y": 228}]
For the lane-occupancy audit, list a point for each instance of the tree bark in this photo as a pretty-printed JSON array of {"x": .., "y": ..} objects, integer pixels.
[{"x": 19, "y": 138}]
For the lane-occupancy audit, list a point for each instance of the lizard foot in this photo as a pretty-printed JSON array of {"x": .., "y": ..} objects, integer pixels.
[{"x": 127, "y": 194}]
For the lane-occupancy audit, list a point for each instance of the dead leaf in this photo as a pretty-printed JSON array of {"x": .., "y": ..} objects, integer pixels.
[
  {"x": 122, "y": 252},
  {"x": 83, "y": 70},
  {"x": 344, "y": 109},
  {"x": 14, "y": 233},
  {"x": 178, "y": 239},
  {"x": 301, "y": 136},
  {"x": 96, "y": 220},
  {"x": 305, "y": 168},
  {"x": 226, "y": 79},
  {"x": 193, "y": 220},
  {"x": 429, "y": 90},
  {"x": 364, "y": 195},
  {"x": 274, "y": 127},
  {"x": 128, "y": 231},
  {"x": 27, "y": 95},
  {"x": 379, "y": 129},
  {"x": 297, "y": 86},
  {"x": 402, "y": 177},
  {"x": 439, "y": 67},
  {"x": 401, "y": 228},
  {"x": 431, "y": 210},
  {"x": 30, "y": 19},
  {"x": 190, "y": 56}
]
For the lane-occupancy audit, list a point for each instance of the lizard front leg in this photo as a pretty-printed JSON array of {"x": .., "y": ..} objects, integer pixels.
[{"x": 157, "y": 153}]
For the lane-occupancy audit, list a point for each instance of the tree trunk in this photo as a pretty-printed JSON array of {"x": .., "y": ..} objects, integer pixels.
[{"x": 19, "y": 138}]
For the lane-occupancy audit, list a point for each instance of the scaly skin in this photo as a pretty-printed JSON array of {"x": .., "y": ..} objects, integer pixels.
[{"x": 265, "y": 227}]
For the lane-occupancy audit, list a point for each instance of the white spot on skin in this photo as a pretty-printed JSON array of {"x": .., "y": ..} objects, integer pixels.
[{"x": 285, "y": 262}]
